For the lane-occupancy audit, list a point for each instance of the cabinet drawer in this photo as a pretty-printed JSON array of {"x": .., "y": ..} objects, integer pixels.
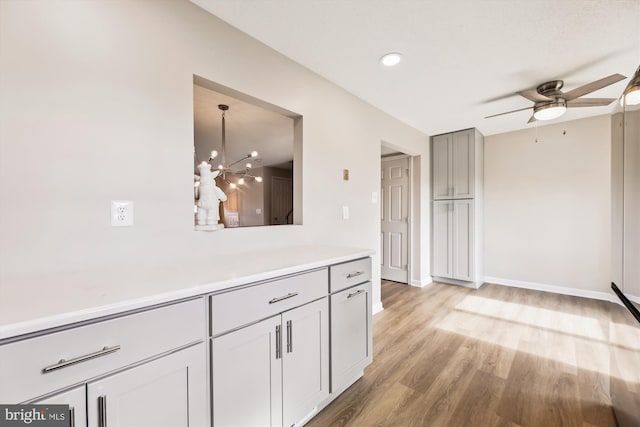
[
  {"x": 350, "y": 273},
  {"x": 113, "y": 343},
  {"x": 236, "y": 308}
]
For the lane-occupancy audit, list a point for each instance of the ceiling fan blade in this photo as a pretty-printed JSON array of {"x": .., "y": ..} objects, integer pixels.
[
  {"x": 590, "y": 102},
  {"x": 593, "y": 86},
  {"x": 508, "y": 112},
  {"x": 532, "y": 119},
  {"x": 533, "y": 95}
]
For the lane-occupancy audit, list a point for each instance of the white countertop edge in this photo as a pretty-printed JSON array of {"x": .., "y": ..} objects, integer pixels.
[{"x": 67, "y": 319}]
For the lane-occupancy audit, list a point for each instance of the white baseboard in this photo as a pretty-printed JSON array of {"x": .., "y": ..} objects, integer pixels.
[
  {"x": 421, "y": 283},
  {"x": 604, "y": 296},
  {"x": 377, "y": 308}
]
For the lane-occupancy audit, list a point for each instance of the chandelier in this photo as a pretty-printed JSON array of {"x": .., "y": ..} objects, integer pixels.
[{"x": 229, "y": 172}]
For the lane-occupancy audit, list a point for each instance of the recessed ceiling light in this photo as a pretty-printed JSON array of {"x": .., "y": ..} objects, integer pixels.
[{"x": 391, "y": 59}]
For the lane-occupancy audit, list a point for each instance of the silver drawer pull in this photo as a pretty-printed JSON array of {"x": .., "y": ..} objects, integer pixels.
[
  {"x": 353, "y": 294},
  {"x": 64, "y": 363},
  {"x": 287, "y": 296},
  {"x": 102, "y": 411},
  {"x": 278, "y": 342},
  {"x": 289, "y": 336},
  {"x": 356, "y": 274}
]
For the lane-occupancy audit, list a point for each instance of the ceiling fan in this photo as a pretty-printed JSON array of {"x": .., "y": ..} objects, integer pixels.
[{"x": 550, "y": 102}]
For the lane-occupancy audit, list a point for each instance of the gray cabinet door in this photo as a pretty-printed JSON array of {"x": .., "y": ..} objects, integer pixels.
[
  {"x": 167, "y": 392},
  {"x": 441, "y": 158},
  {"x": 305, "y": 360},
  {"x": 453, "y": 239},
  {"x": 246, "y": 367},
  {"x": 462, "y": 164},
  {"x": 462, "y": 223},
  {"x": 351, "y": 334},
  {"x": 442, "y": 239},
  {"x": 76, "y": 399}
]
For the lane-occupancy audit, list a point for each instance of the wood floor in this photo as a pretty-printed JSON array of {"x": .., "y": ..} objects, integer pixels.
[{"x": 497, "y": 356}]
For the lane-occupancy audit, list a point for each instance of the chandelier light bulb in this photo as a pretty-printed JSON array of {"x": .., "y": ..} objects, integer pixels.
[
  {"x": 220, "y": 167},
  {"x": 254, "y": 154},
  {"x": 259, "y": 178},
  {"x": 241, "y": 181},
  {"x": 232, "y": 185},
  {"x": 248, "y": 165},
  {"x": 214, "y": 154}
]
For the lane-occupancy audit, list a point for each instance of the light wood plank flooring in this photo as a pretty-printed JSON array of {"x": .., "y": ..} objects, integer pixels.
[{"x": 497, "y": 356}]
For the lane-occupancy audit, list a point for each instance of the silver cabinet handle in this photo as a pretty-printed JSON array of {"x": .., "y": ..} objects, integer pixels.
[
  {"x": 356, "y": 274},
  {"x": 102, "y": 411},
  {"x": 287, "y": 296},
  {"x": 353, "y": 294},
  {"x": 64, "y": 363},
  {"x": 289, "y": 336},
  {"x": 278, "y": 342},
  {"x": 72, "y": 415}
]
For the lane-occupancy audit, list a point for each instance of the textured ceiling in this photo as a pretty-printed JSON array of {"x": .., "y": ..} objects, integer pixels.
[{"x": 463, "y": 59}]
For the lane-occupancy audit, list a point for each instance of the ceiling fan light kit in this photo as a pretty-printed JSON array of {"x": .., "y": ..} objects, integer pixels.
[{"x": 550, "y": 111}]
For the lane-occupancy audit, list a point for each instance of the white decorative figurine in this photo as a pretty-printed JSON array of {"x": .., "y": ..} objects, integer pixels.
[{"x": 209, "y": 198}]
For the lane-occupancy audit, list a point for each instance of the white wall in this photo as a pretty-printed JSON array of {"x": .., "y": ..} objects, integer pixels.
[
  {"x": 96, "y": 103},
  {"x": 547, "y": 205}
]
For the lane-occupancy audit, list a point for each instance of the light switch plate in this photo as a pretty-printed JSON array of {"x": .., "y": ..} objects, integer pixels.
[
  {"x": 345, "y": 212},
  {"x": 374, "y": 197},
  {"x": 121, "y": 213}
]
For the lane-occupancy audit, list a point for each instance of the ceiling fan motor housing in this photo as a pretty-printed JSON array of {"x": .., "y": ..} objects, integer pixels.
[{"x": 550, "y": 89}]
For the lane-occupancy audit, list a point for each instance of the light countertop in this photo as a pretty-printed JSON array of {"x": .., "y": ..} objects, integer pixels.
[{"x": 38, "y": 302}]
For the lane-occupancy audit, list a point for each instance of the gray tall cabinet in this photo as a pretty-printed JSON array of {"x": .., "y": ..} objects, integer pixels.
[{"x": 457, "y": 193}]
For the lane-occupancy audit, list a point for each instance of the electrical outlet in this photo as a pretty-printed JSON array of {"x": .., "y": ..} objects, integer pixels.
[{"x": 121, "y": 213}]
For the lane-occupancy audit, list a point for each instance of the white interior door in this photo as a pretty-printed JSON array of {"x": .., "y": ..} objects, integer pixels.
[{"x": 395, "y": 219}]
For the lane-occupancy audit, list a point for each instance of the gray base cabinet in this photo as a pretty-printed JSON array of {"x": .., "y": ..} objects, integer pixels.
[
  {"x": 141, "y": 369},
  {"x": 274, "y": 372},
  {"x": 275, "y": 353}
]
